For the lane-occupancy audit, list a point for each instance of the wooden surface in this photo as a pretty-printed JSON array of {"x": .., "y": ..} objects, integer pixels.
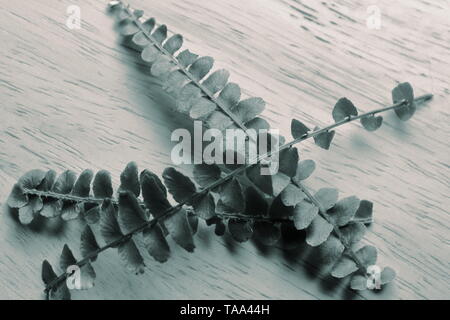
[{"x": 75, "y": 99}]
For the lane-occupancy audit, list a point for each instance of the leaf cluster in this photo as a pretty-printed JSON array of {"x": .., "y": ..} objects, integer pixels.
[{"x": 233, "y": 198}]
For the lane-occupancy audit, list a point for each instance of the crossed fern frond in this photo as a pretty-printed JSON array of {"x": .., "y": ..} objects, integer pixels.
[
  {"x": 236, "y": 198},
  {"x": 122, "y": 219}
]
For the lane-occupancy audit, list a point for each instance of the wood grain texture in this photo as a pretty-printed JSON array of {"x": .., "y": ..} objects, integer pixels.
[{"x": 78, "y": 99}]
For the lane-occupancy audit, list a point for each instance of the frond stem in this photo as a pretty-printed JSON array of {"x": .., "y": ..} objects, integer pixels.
[
  {"x": 186, "y": 72},
  {"x": 336, "y": 229},
  {"x": 232, "y": 174}
]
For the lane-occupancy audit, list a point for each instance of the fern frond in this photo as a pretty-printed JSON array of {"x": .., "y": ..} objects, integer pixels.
[
  {"x": 237, "y": 196},
  {"x": 210, "y": 98},
  {"x": 123, "y": 219},
  {"x": 312, "y": 212}
]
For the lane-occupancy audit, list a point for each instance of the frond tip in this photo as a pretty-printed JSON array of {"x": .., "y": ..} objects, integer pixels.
[{"x": 199, "y": 91}]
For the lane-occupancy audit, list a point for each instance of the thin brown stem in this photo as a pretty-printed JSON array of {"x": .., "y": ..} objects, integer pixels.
[
  {"x": 64, "y": 197},
  {"x": 115, "y": 243}
]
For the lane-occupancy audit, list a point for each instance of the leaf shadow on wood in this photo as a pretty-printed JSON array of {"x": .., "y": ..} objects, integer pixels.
[
  {"x": 230, "y": 243},
  {"x": 401, "y": 129},
  {"x": 140, "y": 73},
  {"x": 262, "y": 249},
  {"x": 359, "y": 143},
  {"x": 163, "y": 105},
  {"x": 305, "y": 260},
  {"x": 204, "y": 234},
  {"x": 51, "y": 227}
]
